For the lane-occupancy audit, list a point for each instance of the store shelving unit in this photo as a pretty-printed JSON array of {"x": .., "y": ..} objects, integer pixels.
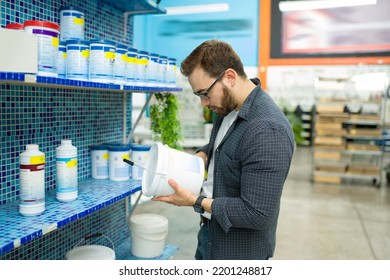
[
  {"x": 305, "y": 114},
  {"x": 94, "y": 195},
  {"x": 349, "y": 131}
]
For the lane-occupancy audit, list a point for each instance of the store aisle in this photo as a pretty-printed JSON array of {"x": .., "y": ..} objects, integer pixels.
[{"x": 317, "y": 221}]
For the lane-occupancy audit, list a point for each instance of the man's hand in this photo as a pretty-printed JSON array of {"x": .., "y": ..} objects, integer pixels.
[{"x": 181, "y": 197}]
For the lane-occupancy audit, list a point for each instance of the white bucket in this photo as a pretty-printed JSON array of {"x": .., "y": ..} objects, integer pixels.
[
  {"x": 148, "y": 233},
  {"x": 92, "y": 252},
  {"x": 164, "y": 163}
]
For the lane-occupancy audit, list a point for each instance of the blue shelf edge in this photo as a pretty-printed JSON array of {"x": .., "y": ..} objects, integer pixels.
[
  {"x": 17, "y": 230},
  {"x": 22, "y": 78}
]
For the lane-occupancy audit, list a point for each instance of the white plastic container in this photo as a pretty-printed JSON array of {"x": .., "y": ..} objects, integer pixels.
[
  {"x": 132, "y": 67},
  {"x": 66, "y": 171},
  {"x": 163, "y": 163},
  {"x": 162, "y": 74},
  {"x": 48, "y": 40},
  {"x": 153, "y": 70},
  {"x": 101, "y": 61},
  {"x": 99, "y": 161},
  {"x": 92, "y": 252},
  {"x": 118, "y": 170},
  {"x": 171, "y": 73},
  {"x": 71, "y": 23},
  {"x": 120, "y": 64},
  {"x": 139, "y": 155},
  {"x": 142, "y": 66},
  {"x": 32, "y": 181},
  {"x": 62, "y": 60},
  {"x": 148, "y": 234},
  {"x": 77, "y": 58}
]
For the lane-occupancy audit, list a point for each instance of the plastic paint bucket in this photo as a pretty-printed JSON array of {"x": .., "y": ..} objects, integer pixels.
[
  {"x": 162, "y": 68},
  {"x": 101, "y": 61},
  {"x": 120, "y": 64},
  {"x": 62, "y": 60},
  {"x": 139, "y": 154},
  {"x": 142, "y": 66},
  {"x": 148, "y": 233},
  {"x": 77, "y": 57},
  {"x": 186, "y": 169},
  {"x": 92, "y": 252},
  {"x": 118, "y": 170},
  {"x": 153, "y": 70},
  {"x": 171, "y": 72},
  {"x": 99, "y": 162},
  {"x": 72, "y": 23},
  {"x": 48, "y": 40},
  {"x": 131, "y": 67}
]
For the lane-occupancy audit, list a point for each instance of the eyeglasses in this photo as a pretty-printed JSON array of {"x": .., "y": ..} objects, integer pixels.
[{"x": 205, "y": 94}]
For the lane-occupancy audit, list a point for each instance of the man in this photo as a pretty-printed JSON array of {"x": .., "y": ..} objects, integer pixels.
[{"x": 247, "y": 158}]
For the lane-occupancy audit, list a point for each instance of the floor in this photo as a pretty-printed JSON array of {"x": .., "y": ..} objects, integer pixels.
[{"x": 350, "y": 221}]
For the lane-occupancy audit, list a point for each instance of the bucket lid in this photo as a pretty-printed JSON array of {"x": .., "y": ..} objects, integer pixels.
[
  {"x": 14, "y": 26},
  {"x": 132, "y": 50},
  {"x": 149, "y": 222},
  {"x": 101, "y": 41},
  {"x": 98, "y": 147},
  {"x": 140, "y": 148},
  {"x": 91, "y": 252},
  {"x": 77, "y": 42},
  {"x": 40, "y": 23},
  {"x": 71, "y": 8}
]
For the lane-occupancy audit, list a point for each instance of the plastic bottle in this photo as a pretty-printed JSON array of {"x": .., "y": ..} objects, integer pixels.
[
  {"x": 32, "y": 181},
  {"x": 66, "y": 171}
]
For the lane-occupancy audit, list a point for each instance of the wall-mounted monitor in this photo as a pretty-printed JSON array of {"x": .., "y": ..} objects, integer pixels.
[{"x": 356, "y": 31}]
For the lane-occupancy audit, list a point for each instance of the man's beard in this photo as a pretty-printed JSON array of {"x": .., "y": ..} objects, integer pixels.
[{"x": 228, "y": 103}]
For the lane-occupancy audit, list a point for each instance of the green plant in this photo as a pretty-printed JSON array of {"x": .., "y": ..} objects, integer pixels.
[
  {"x": 296, "y": 125},
  {"x": 164, "y": 120}
]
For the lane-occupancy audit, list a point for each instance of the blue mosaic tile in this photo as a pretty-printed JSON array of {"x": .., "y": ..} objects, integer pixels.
[{"x": 93, "y": 194}]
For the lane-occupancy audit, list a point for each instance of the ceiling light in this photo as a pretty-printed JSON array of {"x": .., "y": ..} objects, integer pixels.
[
  {"x": 197, "y": 9},
  {"x": 287, "y": 6}
]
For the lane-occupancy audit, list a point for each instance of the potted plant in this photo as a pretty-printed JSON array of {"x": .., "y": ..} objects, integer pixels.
[{"x": 164, "y": 120}]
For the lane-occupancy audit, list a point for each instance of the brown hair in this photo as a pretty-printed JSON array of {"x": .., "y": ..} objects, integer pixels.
[{"x": 213, "y": 57}]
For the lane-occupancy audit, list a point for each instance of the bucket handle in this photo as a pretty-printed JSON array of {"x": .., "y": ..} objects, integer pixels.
[{"x": 93, "y": 235}]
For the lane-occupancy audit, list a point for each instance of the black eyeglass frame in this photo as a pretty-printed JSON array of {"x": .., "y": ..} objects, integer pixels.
[{"x": 205, "y": 94}]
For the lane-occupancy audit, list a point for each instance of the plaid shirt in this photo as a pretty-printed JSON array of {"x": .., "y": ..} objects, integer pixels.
[{"x": 251, "y": 165}]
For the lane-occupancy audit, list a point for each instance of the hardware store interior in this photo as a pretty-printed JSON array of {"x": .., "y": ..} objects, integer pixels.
[{"x": 331, "y": 83}]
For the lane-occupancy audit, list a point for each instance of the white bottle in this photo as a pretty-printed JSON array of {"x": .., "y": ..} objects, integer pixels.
[
  {"x": 66, "y": 171},
  {"x": 32, "y": 181}
]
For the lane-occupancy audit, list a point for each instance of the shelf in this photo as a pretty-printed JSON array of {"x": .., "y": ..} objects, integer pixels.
[
  {"x": 42, "y": 81},
  {"x": 137, "y": 7},
  {"x": 94, "y": 195}
]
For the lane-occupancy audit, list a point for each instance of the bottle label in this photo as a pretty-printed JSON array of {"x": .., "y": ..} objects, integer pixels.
[{"x": 66, "y": 174}]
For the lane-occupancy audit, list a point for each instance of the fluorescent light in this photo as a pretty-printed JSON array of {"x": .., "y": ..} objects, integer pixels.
[
  {"x": 197, "y": 9},
  {"x": 287, "y": 6}
]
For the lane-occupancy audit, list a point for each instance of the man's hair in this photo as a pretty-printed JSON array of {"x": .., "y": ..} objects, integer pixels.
[{"x": 213, "y": 57}]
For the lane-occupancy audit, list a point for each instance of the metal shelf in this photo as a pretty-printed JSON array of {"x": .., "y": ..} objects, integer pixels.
[
  {"x": 136, "y": 7},
  {"x": 17, "y": 230}
]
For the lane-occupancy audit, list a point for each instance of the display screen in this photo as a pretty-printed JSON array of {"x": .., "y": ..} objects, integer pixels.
[{"x": 345, "y": 31}]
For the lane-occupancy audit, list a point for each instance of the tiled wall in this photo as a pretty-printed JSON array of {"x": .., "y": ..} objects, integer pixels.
[{"x": 45, "y": 115}]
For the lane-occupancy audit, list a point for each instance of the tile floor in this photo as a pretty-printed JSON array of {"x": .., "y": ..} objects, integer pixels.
[{"x": 350, "y": 221}]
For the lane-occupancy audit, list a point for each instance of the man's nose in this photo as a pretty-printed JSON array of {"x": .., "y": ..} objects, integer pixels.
[{"x": 204, "y": 102}]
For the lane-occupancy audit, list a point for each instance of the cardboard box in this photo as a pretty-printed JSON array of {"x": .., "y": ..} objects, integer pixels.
[
  {"x": 327, "y": 155},
  {"x": 327, "y": 179},
  {"x": 18, "y": 51}
]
